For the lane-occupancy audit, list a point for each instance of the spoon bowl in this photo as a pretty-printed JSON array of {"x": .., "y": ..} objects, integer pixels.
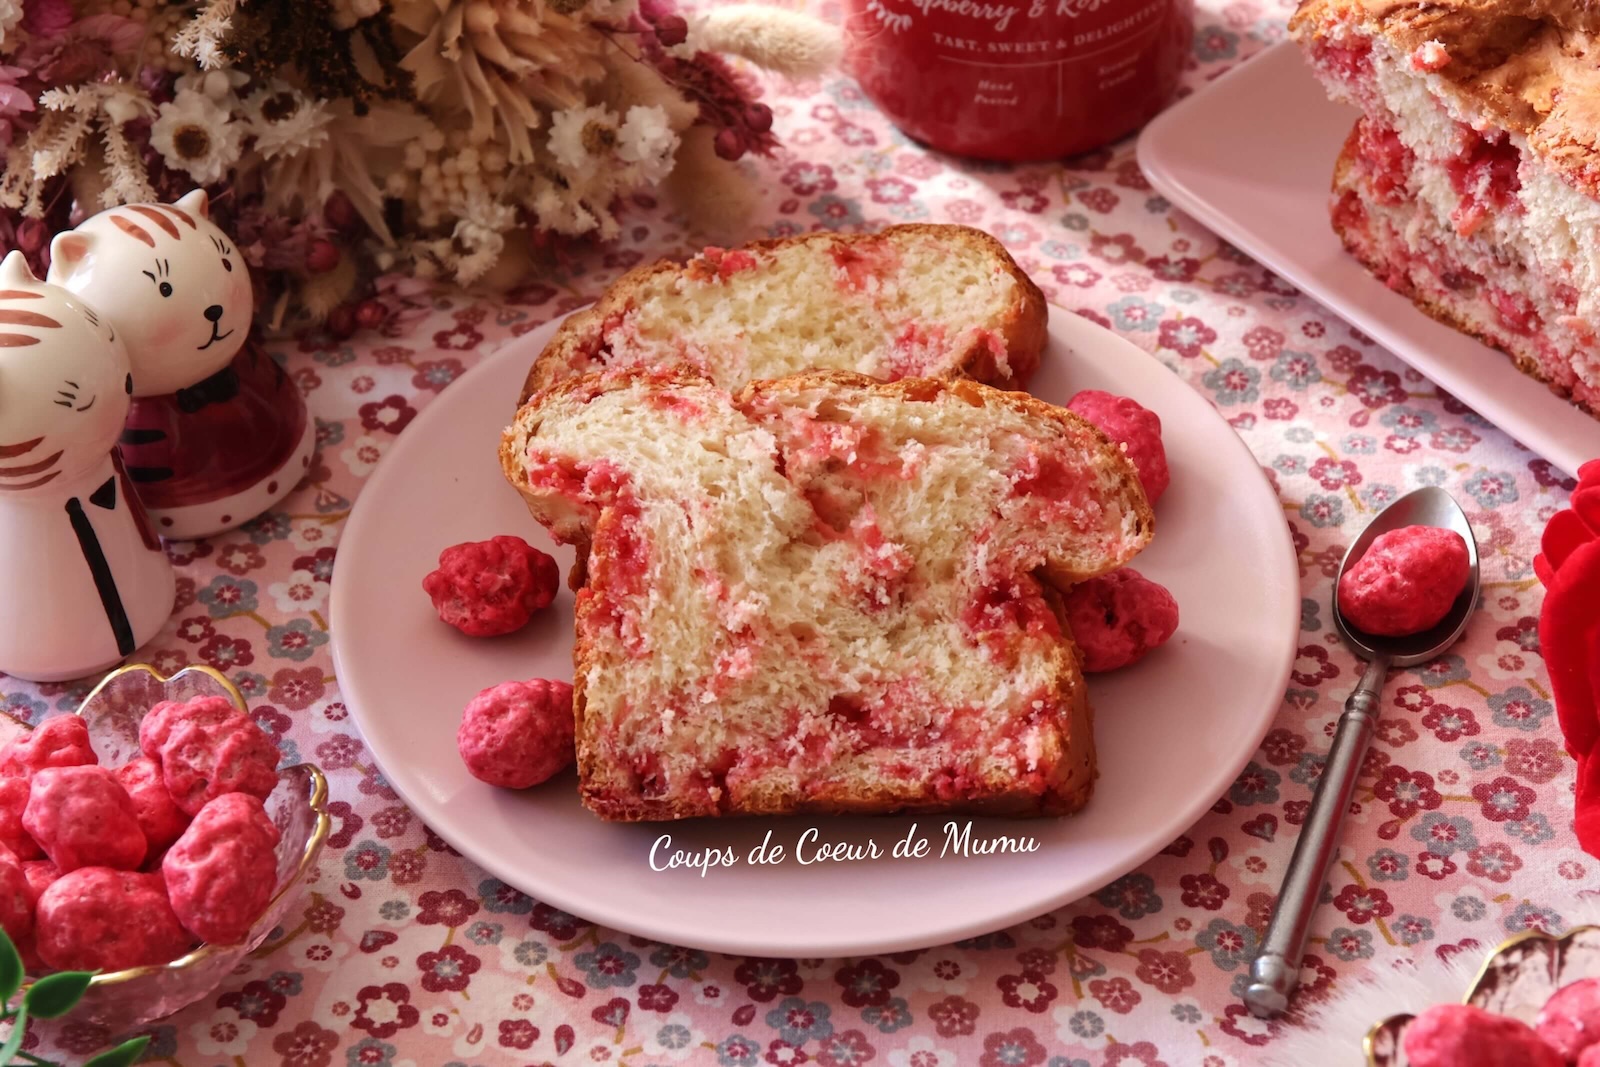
[{"x": 1425, "y": 507}]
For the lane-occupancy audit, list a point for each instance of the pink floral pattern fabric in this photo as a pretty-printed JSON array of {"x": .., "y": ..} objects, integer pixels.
[{"x": 404, "y": 954}]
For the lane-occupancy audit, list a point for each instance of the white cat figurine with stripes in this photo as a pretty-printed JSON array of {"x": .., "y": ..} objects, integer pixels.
[
  {"x": 217, "y": 432},
  {"x": 83, "y": 578}
]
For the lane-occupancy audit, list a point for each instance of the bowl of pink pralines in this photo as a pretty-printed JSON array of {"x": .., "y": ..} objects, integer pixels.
[
  {"x": 1534, "y": 1003},
  {"x": 152, "y": 839}
]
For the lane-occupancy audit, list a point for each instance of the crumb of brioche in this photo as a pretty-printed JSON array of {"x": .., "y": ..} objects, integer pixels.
[{"x": 815, "y": 552}]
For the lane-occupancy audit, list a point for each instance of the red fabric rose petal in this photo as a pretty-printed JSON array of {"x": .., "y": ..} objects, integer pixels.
[
  {"x": 1586, "y": 816},
  {"x": 1569, "y": 639},
  {"x": 1569, "y": 632},
  {"x": 1564, "y": 534}
]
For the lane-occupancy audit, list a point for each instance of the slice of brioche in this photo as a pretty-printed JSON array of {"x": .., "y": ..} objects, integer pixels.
[
  {"x": 922, "y": 300},
  {"x": 823, "y": 593}
]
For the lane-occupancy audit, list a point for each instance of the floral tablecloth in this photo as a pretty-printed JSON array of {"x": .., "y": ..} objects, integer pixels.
[{"x": 405, "y": 954}]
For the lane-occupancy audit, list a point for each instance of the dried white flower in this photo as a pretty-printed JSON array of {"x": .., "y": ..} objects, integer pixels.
[
  {"x": 646, "y": 140},
  {"x": 284, "y": 120},
  {"x": 203, "y": 37},
  {"x": 481, "y": 234},
  {"x": 559, "y": 210},
  {"x": 195, "y": 135},
  {"x": 582, "y": 138},
  {"x": 60, "y": 143}
]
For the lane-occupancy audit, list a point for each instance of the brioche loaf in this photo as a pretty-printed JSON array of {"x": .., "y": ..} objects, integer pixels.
[
  {"x": 920, "y": 300},
  {"x": 824, "y": 593},
  {"x": 1471, "y": 181}
]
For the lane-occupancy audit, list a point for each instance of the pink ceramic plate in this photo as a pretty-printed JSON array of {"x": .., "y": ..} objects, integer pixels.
[
  {"x": 1173, "y": 731},
  {"x": 1251, "y": 156}
]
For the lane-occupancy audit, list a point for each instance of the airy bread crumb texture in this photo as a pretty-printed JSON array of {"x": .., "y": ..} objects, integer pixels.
[
  {"x": 908, "y": 301},
  {"x": 1461, "y": 185},
  {"x": 824, "y": 593},
  {"x": 1460, "y": 282}
]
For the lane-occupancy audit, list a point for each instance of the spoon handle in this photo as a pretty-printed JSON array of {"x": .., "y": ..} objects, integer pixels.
[{"x": 1276, "y": 969}]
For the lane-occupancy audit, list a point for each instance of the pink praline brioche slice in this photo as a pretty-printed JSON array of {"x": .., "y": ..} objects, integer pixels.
[
  {"x": 1470, "y": 183},
  {"x": 825, "y": 592},
  {"x": 915, "y": 300}
]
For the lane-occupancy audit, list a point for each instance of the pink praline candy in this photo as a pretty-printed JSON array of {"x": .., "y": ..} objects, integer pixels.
[
  {"x": 16, "y": 900},
  {"x": 13, "y": 799},
  {"x": 1405, "y": 582},
  {"x": 159, "y": 815},
  {"x": 1117, "y": 618},
  {"x": 95, "y": 918},
  {"x": 59, "y": 742},
  {"x": 201, "y": 761},
  {"x": 39, "y": 873},
  {"x": 1569, "y": 1022},
  {"x": 82, "y": 817},
  {"x": 159, "y": 722},
  {"x": 518, "y": 734},
  {"x": 1133, "y": 426},
  {"x": 223, "y": 870},
  {"x": 1459, "y": 1035}
]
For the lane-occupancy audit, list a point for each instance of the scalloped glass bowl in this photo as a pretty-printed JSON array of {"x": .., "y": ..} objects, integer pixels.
[
  {"x": 1515, "y": 980},
  {"x": 125, "y": 1000}
]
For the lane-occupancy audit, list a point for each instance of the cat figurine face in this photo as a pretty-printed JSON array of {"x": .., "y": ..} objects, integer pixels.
[
  {"x": 64, "y": 385},
  {"x": 175, "y": 285}
]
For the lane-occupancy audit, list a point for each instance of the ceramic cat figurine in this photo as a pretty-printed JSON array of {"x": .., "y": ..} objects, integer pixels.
[
  {"x": 83, "y": 578},
  {"x": 217, "y": 432}
]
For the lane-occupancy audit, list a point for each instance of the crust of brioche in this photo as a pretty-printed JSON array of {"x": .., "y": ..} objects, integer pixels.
[
  {"x": 1070, "y": 751},
  {"x": 1024, "y": 327},
  {"x": 1401, "y": 282}
]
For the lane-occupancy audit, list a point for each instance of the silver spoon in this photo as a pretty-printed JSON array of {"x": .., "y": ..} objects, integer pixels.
[{"x": 1276, "y": 969}]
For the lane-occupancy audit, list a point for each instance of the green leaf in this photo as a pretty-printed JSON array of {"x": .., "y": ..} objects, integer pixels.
[
  {"x": 19, "y": 1030},
  {"x": 124, "y": 1054},
  {"x": 10, "y": 968},
  {"x": 54, "y": 995}
]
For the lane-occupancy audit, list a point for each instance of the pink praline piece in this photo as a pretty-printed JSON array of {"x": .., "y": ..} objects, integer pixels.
[
  {"x": 1405, "y": 582},
  {"x": 1459, "y": 1035}
]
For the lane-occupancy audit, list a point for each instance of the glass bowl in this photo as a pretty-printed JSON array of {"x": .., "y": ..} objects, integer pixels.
[
  {"x": 126, "y": 1000},
  {"x": 1515, "y": 980}
]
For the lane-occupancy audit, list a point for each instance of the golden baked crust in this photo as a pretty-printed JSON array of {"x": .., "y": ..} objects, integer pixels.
[
  {"x": 1531, "y": 67},
  {"x": 1022, "y": 326},
  {"x": 1066, "y": 746}
]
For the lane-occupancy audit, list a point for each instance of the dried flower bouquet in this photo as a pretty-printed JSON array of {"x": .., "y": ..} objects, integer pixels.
[{"x": 344, "y": 139}]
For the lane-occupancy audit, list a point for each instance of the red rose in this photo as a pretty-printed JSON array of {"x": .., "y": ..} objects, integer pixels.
[{"x": 1569, "y": 637}]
